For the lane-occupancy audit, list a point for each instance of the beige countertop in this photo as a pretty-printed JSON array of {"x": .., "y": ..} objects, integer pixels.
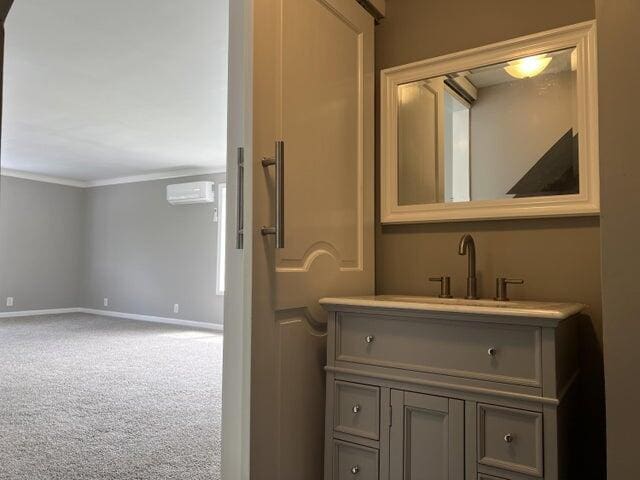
[{"x": 515, "y": 308}]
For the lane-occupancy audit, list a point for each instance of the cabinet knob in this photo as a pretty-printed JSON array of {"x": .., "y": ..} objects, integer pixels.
[
  {"x": 356, "y": 408},
  {"x": 492, "y": 352},
  {"x": 369, "y": 338},
  {"x": 355, "y": 470},
  {"x": 508, "y": 438}
]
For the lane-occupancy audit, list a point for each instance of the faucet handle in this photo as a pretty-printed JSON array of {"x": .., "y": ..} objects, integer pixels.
[
  {"x": 501, "y": 287},
  {"x": 445, "y": 286}
]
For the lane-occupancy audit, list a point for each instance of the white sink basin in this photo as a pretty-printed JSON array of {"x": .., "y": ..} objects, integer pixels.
[{"x": 552, "y": 310}]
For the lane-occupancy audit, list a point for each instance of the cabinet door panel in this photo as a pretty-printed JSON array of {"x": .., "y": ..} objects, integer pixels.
[{"x": 427, "y": 437}]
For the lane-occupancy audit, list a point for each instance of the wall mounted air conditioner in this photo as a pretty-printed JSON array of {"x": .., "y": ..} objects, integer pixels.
[{"x": 190, "y": 193}]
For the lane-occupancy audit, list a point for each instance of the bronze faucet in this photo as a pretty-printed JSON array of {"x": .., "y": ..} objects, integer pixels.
[{"x": 468, "y": 247}]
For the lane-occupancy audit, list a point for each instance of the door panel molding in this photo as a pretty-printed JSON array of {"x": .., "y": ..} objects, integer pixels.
[
  {"x": 347, "y": 245},
  {"x": 301, "y": 400},
  {"x": 318, "y": 249},
  {"x": 303, "y": 314}
]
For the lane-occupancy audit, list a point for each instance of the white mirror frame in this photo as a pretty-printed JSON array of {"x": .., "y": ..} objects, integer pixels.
[{"x": 587, "y": 202}]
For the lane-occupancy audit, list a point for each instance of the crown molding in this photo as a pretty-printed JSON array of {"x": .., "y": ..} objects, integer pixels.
[
  {"x": 7, "y": 172},
  {"x": 147, "y": 177}
]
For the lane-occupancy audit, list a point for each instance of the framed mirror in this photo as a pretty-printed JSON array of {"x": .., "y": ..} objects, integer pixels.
[{"x": 508, "y": 130}]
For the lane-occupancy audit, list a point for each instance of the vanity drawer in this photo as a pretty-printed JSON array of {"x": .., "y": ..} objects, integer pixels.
[
  {"x": 357, "y": 410},
  {"x": 354, "y": 462},
  {"x": 510, "y": 439},
  {"x": 495, "y": 352}
]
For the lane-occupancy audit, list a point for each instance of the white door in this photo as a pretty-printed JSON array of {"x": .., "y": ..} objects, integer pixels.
[
  {"x": 313, "y": 81},
  {"x": 237, "y": 302}
]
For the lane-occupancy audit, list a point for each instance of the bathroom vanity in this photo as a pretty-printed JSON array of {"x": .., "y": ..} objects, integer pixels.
[{"x": 430, "y": 388}]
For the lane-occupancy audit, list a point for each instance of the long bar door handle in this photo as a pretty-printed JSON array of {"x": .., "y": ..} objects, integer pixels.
[
  {"x": 278, "y": 162},
  {"x": 240, "y": 204}
]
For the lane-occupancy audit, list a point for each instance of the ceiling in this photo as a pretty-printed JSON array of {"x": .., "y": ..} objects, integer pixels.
[
  {"x": 100, "y": 89},
  {"x": 495, "y": 74}
]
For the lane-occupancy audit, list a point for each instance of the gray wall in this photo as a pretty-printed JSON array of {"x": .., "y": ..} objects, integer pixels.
[
  {"x": 41, "y": 244},
  {"x": 145, "y": 255},
  {"x": 66, "y": 247},
  {"x": 619, "y": 51},
  {"x": 559, "y": 258},
  {"x": 513, "y": 125}
]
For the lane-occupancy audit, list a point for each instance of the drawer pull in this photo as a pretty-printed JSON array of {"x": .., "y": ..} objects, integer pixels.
[
  {"x": 492, "y": 352},
  {"x": 508, "y": 438},
  {"x": 356, "y": 408},
  {"x": 355, "y": 470},
  {"x": 369, "y": 338}
]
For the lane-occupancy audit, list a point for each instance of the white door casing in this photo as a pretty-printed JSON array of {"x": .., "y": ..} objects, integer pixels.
[{"x": 237, "y": 304}]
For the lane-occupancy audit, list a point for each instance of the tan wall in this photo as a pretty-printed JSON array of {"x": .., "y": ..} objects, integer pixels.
[
  {"x": 619, "y": 54},
  {"x": 558, "y": 258},
  {"x": 5, "y": 5}
]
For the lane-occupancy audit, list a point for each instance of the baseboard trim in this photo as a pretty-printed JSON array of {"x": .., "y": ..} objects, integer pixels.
[
  {"x": 107, "y": 313},
  {"x": 153, "y": 319},
  {"x": 33, "y": 313}
]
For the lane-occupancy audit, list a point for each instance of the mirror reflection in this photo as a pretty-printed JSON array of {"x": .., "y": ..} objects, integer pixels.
[{"x": 508, "y": 130}]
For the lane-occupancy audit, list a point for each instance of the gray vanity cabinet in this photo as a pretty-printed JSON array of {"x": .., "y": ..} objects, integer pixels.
[{"x": 415, "y": 394}]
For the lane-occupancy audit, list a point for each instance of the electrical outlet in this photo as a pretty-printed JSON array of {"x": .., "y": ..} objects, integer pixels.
[
  {"x": 106, "y": 302},
  {"x": 9, "y": 301},
  {"x": 176, "y": 308}
]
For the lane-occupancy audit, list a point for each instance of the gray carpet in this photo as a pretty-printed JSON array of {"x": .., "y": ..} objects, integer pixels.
[{"x": 89, "y": 397}]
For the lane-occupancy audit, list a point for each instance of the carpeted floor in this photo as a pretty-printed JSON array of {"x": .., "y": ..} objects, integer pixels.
[{"x": 89, "y": 397}]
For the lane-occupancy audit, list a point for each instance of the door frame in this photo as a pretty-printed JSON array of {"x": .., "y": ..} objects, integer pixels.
[{"x": 236, "y": 377}]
